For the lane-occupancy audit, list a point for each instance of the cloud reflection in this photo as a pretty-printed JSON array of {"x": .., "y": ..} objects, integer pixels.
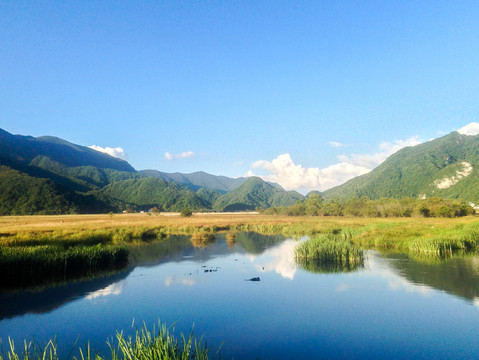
[
  {"x": 395, "y": 281},
  {"x": 183, "y": 281},
  {"x": 343, "y": 287},
  {"x": 113, "y": 289},
  {"x": 282, "y": 259}
]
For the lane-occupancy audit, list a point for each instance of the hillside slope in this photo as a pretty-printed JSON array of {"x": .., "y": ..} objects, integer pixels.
[
  {"x": 22, "y": 194},
  {"x": 444, "y": 167},
  {"x": 198, "y": 180},
  {"x": 255, "y": 193},
  {"x": 24, "y": 149},
  {"x": 151, "y": 192}
]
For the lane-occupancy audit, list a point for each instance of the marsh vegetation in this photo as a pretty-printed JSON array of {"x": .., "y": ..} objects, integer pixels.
[
  {"x": 36, "y": 250},
  {"x": 329, "y": 253},
  {"x": 160, "y": 343}
]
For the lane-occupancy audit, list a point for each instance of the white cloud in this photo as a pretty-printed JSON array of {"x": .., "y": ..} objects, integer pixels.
[
  {"x": 386, "y": 149},
  {"x": 183, "y": 155},
  {"x": 469, "y": 129},
  {"x": 293, "y": 176},
  {"x": 336, "y": 144},
  {"x": 340, "y": 173},
  {"x": 117, "y": 152}
]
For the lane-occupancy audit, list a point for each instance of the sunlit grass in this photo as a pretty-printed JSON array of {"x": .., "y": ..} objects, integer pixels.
[
  {"x": 329, "y": 253},
  {"x": 23, "y": 266},
  {"x": 202, "y": 239},
  {"x": 158, "y": 344}
]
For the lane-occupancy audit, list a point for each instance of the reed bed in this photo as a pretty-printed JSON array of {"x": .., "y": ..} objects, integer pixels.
[
  {"x": 202, "y": 239},
  {"x": 432, "y": 239},
  {"x": 23, "y": 266},
  {"x": 329, "y": 253},
  {"x": 158, "y": 344}
]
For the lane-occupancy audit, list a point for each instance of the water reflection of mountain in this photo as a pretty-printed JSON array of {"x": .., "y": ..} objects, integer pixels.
[
  {"x": 173, "y": 249},
  {"x": 457, "y": 276},
  {"x": 178, "y": 248},
  {"x": 17, "y": 303},
  {"x": 255, "y": 243}
]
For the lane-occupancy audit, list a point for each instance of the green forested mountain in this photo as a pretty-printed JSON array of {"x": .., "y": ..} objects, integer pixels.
[
  {"x": 47, "y": 175},
  {"x": 87, "y": 176},
  {"x": 208, "y": 195},
  {"x": 22, "y": 194},
  {"x": 255, "y": 193},
  {"x": 18, "y": 149},
  {"x": 76, "y": 167},
  {"x": 314, "y": 192},
  {"x": 445, "y": 167},
  {"x": 151, "y": 192},
  {"x": 198, "y": 180}
]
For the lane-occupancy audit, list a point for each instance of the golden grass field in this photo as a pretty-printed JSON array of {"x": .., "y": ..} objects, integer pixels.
[{"x": 10, "y": 225}]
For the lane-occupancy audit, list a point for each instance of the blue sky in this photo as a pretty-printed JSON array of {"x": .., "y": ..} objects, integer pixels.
[{"x": 306, "y": 93}]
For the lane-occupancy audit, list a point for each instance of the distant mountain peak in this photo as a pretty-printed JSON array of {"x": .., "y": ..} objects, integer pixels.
[{"x": 255, "y": 193}]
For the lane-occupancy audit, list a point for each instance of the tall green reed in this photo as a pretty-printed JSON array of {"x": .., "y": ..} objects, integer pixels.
[{"x": 158, "y": 344}]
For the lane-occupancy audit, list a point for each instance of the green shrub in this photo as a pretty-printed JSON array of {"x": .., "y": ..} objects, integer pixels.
[{"x": 186, "y": 212}]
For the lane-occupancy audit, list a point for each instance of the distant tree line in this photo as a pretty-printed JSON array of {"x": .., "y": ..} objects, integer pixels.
[{"x": 315, "y": 205}]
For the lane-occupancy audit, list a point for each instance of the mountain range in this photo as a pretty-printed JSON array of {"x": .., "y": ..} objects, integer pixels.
[{"x": 48, "y": 175}]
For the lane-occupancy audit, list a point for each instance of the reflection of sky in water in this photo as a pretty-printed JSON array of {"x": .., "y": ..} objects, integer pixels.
[
  {"x": 113, "y": 289},
  {"x": 289, "y": 313},
  {"x": 279, "y": 258},
  {"x": 379, "y": 268}
]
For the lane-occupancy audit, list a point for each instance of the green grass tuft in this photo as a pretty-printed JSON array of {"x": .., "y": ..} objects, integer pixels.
[
  {"x": 158, "y": 344},
  {"x": 329, "y": 253}
]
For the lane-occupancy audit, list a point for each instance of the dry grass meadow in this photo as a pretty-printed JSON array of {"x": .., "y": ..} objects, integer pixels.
[{"x": 68, "y": 224}]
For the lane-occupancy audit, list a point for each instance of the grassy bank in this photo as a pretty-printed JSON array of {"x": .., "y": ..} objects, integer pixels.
[
  {"x": 436, "y": 239},
  {"x": 158, "y": 344}
]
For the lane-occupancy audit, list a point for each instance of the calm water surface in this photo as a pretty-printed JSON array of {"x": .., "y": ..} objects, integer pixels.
[{"x": 395, "y": 307}]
